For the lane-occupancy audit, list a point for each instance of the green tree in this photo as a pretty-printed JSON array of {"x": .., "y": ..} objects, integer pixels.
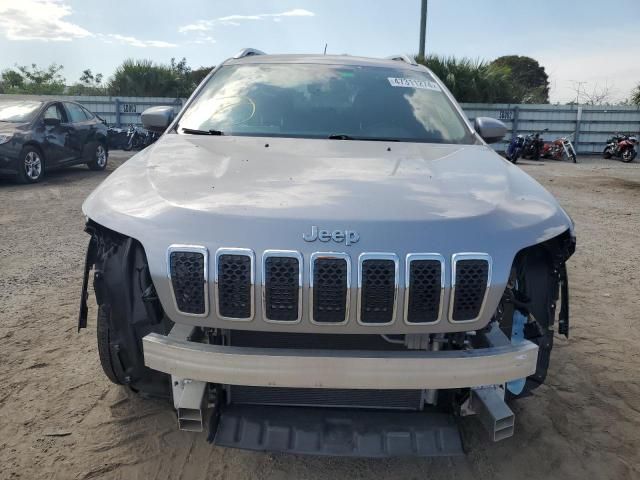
[
  {"x": 635, "y": 95},
  {"x": 529, "y": 80},
  {"x": 474, "y": 81},
  {"x": 44, "y": 81},
  {"x": 11, "y": 81},
  {"x": 145, "y": 78},
  {"x": 88, "y": 84}
]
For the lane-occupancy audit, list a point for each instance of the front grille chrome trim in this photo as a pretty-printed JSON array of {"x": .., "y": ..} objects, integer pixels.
[
  {"x": 284, "y": 254},
  {"x": 407, "y": 284},
  {"x": 177, "y": 247},
  {"x": 378, "y": 256},
  {"x": 247, "y": 252},
  {"x": 312, "y": 260},
  {"x": 452, "y": 297}
]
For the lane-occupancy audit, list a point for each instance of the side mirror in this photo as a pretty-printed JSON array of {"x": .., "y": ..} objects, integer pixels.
[
  {"x": 490, "y": 129},
  {"x": 52, "y": 122},
  {"x": 157, "y": 119}
]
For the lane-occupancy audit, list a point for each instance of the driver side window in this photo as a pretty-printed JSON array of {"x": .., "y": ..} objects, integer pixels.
[{"x": 54, "y": 111}]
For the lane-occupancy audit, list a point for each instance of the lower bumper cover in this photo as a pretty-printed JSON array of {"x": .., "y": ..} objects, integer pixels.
[
  {"x": 317, "y": 431},
  {"x": 280, "y": 367}
]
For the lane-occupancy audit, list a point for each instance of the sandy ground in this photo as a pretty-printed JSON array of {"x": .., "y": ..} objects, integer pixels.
[{"x": 61, "y": 418}]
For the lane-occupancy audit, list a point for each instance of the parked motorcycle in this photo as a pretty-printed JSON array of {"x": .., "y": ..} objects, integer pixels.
[
  {"x": 515, "y": 148},
  {"x": 560, "y": 149},
  {"x": 533, "y": 144},
  {"x": 137, "y": 138},
  {"x": 621, "y": 146},
  {"x": 117, "y": 138}
]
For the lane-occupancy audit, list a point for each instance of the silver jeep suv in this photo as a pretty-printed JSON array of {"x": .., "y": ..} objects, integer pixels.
[{"x": 322, "y": 255}]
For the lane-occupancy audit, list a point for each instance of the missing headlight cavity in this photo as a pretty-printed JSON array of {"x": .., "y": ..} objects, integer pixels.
[
  {"x": 128, "y": 308},
  {"x": 538, "y": 287}
]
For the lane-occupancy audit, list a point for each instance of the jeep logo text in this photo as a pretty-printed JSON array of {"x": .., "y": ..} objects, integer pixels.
[{"x": 347, "y": 236}]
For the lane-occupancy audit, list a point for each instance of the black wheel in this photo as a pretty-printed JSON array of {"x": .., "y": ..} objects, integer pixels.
[
  {"x": 30, "y": 165},
  {"x": 105, "y": 351},
  {"x": 129, "y": 145},
  {"x": 607, "y": 153},
  {"x": 97, "y": 156},
  {"x": 628, "y": 155}
]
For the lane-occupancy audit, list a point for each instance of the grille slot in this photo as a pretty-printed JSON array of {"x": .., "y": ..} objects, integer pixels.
[
  {"x": 282, "y": 278},
  {"x": 378, "y": 281},
  {"x": 234, "y": 280},
  {"x": 330, "y": 282},
  {"x": 424, "y": 284},
  {"x": 188, "y": 274},
  {"x": 471, "y": 276},
  {"x": 330, "y": 397}
]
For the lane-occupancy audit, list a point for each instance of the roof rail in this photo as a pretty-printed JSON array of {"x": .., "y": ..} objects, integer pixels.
[
  {"x": 402, "y": 58},
  {"x": 248, "y": 52}
]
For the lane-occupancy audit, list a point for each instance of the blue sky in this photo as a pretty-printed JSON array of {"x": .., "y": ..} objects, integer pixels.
[{"x": 575, "y": 40}]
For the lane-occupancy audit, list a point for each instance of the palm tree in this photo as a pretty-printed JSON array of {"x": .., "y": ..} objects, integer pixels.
[{"x": 471, "y": 80}]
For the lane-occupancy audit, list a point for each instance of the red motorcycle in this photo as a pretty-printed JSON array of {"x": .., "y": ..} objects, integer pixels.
[
  {"x": 621, "y": 146},
  {"x": 560, "y": 149}
]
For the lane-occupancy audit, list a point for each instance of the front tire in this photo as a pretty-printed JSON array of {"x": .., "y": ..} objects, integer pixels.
[
  {"x": 607, "y": 153},
  {"x": 628, "y": 155},
  {"x": 30, "y": 165},
  {"x": 97, "y": 156},
  {"x": 108, "y": 360}
]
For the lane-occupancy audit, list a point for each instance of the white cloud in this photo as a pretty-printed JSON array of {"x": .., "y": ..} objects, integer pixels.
[
  {"x": 236, "y": 20},
  {"x": 38, "y": 20},
  {"x": 136, "y": 42}
]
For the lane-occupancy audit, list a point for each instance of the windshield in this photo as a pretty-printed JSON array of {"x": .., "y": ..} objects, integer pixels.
[
  {"x": 18, "y": 111},
  {"x": 322, "y": 101}
]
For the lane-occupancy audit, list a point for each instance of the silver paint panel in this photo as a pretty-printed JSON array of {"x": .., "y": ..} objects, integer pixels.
[{"x": 221, "y": 191}]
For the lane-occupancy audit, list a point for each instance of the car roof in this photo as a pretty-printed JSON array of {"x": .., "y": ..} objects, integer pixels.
[{"x": 324, "y": 60}]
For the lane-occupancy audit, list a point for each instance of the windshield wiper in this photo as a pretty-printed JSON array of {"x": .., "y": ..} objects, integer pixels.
[
  {"x": 342, "y": 136},
  {"x": 193, "y": 131}
]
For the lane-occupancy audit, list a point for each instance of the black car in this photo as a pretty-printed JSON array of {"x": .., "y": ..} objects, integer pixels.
[{"x": 38, "y": 135}]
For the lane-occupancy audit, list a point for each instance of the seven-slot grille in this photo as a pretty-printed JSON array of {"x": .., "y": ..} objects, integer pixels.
[
  {"x": 330, "y": 286},
  {"x": 471, "y": 273},
  {"x": 188, "y": 274},
  {"x": 282, "y": 281},
  {"x": 378, "y": 281},
  {"x": 424, "y": 286},
  {"x": 234, "y": 281}
]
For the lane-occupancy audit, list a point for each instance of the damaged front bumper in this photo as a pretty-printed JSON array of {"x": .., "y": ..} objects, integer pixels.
[{"x": 281, "y": 367}]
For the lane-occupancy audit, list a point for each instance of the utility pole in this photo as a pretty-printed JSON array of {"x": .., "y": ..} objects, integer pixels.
[{"x": 423, "y": 28}]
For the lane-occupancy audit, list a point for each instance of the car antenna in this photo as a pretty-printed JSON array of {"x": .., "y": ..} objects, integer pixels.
[{"x": 325, "y": 49}]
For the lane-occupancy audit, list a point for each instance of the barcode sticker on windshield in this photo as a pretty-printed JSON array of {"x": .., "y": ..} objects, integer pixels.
[{"x": 411, "y": 83}]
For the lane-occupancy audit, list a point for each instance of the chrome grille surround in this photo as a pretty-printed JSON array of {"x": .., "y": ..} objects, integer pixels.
[
  {"x": 378, "y": 256},
  {"x": 284, "y": 254},
  {"x": 312, "y": 260},
  {"x": 241, "y": 252},
  {"x": 190, "y": 249},
  {"x": 411, "y": 257},
  {"x": 452, "y": 298}
]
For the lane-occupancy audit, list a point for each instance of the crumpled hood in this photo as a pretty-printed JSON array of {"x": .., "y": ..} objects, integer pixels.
[{"x": 344, "y": 181}]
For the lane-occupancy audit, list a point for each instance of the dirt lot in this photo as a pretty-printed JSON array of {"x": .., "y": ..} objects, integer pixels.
[{"x": 61, "y": 418}]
